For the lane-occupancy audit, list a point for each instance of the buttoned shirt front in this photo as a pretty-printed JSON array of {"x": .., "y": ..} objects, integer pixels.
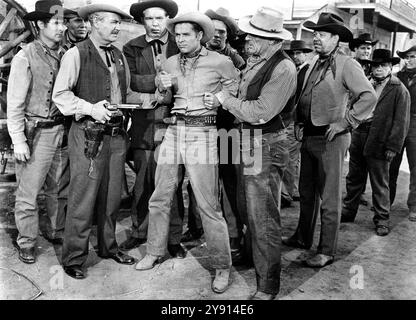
[{"x": 159, "y": 58}]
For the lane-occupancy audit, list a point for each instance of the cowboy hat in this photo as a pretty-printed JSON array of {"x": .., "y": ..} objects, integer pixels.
[
  {"x": 223, "y": 15},
  {"x": 136, "y": 9},
  {"x": 298, "y": 45},
  {"x": 72, "y": 6},
  {"x": 266, "y": 23},
  {"x": 411, "y": 46},
  {"x": 364, "y": 38},
  {"x": 84, "y": 12},
  {"x": 45, "y": 9},
  {"x": 383, "y": 55},
  {"x": 332, "y": 23},
  {"x": 199, "y": 18}
]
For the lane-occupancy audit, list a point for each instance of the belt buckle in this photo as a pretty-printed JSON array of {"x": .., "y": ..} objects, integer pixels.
[{"x": 115, "y": 131}]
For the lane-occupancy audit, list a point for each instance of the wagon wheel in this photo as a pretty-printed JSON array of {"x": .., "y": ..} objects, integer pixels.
[{"x": 14, "y": 31}]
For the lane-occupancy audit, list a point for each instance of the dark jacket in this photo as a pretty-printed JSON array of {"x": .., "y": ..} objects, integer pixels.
[
  {"x": 390, "y": 121},
  {"x": 140, "y": 59}
]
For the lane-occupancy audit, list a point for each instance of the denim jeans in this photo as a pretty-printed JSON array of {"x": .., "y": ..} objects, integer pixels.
[
  {"x": 410, "y": 146},
  {"x": 95, "y": 187},
  {"x": 262, "y": 184},
  {"x": 48, "y": 167},
  {"x": 145, "y": 167},
  {"x": 195, "y": 149},
  {"x": 359, "y": 167},
  {"x": 320, "y": 188}
]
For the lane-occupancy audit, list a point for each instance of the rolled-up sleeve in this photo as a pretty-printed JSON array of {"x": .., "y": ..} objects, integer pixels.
[
  {"x": 362, "y": 91},
  {"x": 230, "y": 76},
  {"x": 63, "y": 96},
  {"x": 272, "y": 99},
  {"x": 19, "y": 81}
]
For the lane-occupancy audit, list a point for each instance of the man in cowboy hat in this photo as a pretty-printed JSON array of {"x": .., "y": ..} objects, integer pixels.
[
  {"x": 76, "y": 27},
  {"x": 191, "y": 141},
  {"x": 267, "y": 90},
  {"x": 408, "y": 76},
  {"x": 323, "y": 114},
  {"x": 298, "y": 51},
  {"x": 363, "y": 47},
  {"x": 93, "y": 74},
  {"x": 145, "y": 55},
  {"x": 376, "y": 141},
  {"x": 38, "y": 131}
]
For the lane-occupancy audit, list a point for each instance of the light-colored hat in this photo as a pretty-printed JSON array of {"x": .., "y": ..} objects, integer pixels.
[
  {"x": 87, "y": 10},
  {"x": 411, "y": 46},
  {"x": 71, "y": 7},
  {"x": 199, "y": 18},
  {"x": 267, "y": 23}
]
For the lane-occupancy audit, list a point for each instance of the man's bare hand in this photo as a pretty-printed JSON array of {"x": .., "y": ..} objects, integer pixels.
[
  {"x": 21, "y": 152},
  {"x": 335, "y": 128},
  {"x": 389, "y": 155},
  {"x": 165, "y": 81},
  {"x": 100, "y": 113},
  {"x": 210, "y": 101}
]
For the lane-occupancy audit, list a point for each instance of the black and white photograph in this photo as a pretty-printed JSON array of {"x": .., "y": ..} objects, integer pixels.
[{"x": 207, "y": 154}]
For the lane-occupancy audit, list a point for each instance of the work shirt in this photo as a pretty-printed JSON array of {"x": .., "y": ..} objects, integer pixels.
[
  {"x": 159, "y": 56},
  {"x": 209, "y": 71},
  {"x": 65, "y": 99},
  {"x": 274, "y": 95}
]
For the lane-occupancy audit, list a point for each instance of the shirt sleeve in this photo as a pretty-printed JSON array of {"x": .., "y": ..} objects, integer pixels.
[
  {"x": 272, "y": 99},
  {"x": 230, "y": 76},
  {"x": 362, "y": 91},
  {"x": 63, "y": 96},
  {"x": 18, "y": 84}
]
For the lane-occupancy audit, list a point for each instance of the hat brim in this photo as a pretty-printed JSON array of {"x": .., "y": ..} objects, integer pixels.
[
  {"x": 393, "y": 61},
  {"x": 355, "y": 43},
  {"x": 84, "y": 12},
  {"x": 305, "y": 50},
  {"x": 402, "y": 54},
  {"x": 36, "y": 15},
  {"x": 201, "y": 19},
  {"x": 245, "y": 26},
  {"x": 136, "y": 9},
  {"x": 68, "y": 13},
  {"x": 345, "y": 35},
  {"x": 229, "y": 22}
]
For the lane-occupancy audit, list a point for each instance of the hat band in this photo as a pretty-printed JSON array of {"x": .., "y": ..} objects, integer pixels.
[{"x": 263, "y": 29}]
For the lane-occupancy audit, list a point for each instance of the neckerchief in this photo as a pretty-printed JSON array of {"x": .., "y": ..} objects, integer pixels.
[
  {"x": 184, "y": 58},
  {"x": 109, "y": 54}
]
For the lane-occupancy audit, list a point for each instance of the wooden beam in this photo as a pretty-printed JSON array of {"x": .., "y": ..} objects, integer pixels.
[{"x": 5, "y": 23}]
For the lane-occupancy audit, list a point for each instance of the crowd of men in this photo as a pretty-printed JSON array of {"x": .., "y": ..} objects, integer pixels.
[{"x": 290, "y": 117}]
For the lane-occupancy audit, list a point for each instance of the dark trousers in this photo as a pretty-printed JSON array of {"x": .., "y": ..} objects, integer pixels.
[
  {"x": 95, "y": 185},
  {"x": 359, "y": 167},
  {"x": 264, "y": 164},
  {"x": 145, "y": 167},
  {"x": 320, "y": 189}
]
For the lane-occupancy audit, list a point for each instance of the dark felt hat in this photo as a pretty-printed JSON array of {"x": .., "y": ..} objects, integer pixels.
[
  {"x": 299, "y": 45},
  {"x": 332, "y": 23},
  {"x": 223, "y": 15},
  {"x": 364, "y": 38},
  {"x": 136, "y": 9},
  {"x": 45, "y": 9},
  {"x": 383, "y": 55}
]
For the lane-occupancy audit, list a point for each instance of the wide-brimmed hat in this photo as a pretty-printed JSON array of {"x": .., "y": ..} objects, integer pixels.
[
  {"x": 199, "y": 18},
  {"x": 224, "y": 15},
  {"x": 364, "y": 38},
  {"x": 383, "y": 55},
  {"x": 72, "y": 6},
  {"x": 266, "y": 23},
  {"x": 411, "y": 46},
  {"x": 298, "y": 45},
  {"x": 45, "y": 9},
  {"x": 136, "y": 9},
  {"x": 332, "y": 23},
  {"x": 84, "y": 12}
]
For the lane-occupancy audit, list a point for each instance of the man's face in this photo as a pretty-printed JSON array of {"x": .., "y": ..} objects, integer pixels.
[
  {"x": 298, "y": 57},
  {"x": 256, "y": 46},
  {"x": 324, "y": 42},
  {"x": 220, "y": 35},
  {"x": 410, "y": 60},
  {"x": 108, "y": 26},
  {"x": 381, "y": 70},
  {"x": 53, "y": 30},
  {"x": 363, "y": 52},
  {"x": 186, "y": 38},
  {"x": 77, "y": 27},
  {"x": 154, "y": 21}
]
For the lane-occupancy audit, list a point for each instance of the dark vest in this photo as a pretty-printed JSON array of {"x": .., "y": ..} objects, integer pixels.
[
  {"x": 254, "y": 90},
  {"x": 94, "y": 80}
]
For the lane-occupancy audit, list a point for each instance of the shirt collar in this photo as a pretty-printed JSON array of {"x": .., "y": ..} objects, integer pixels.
[
  {"x": 163, "y": 38},
  {"x": 50, "y": 51}
]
